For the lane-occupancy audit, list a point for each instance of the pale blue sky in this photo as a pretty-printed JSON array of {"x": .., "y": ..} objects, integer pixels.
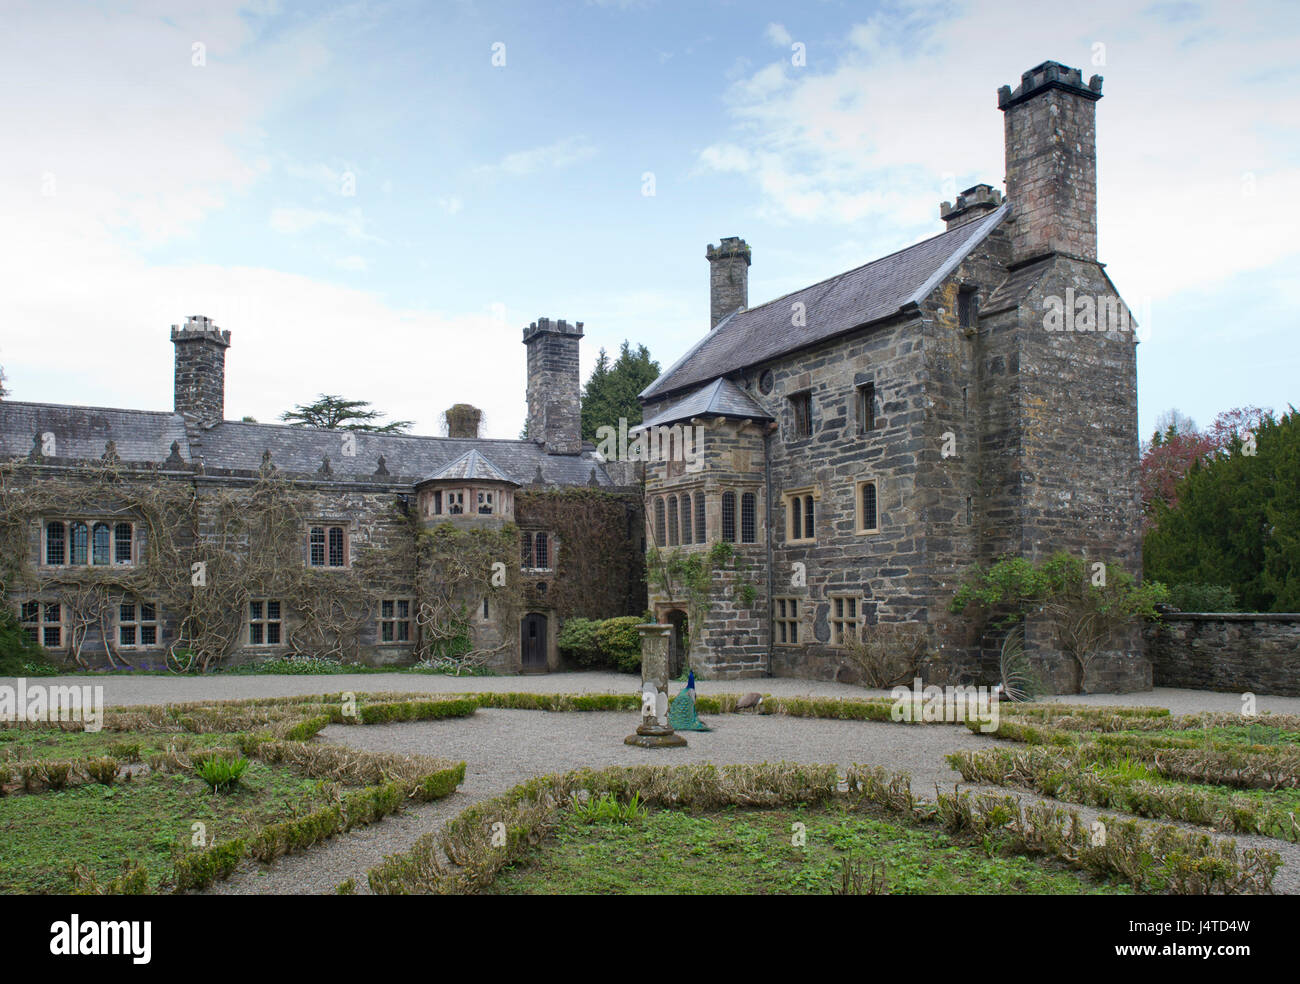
[{"x": 374, "y": 208}]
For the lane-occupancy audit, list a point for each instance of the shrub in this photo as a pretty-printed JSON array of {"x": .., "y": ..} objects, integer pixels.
[
  {"x": 19, "y": 656},
  {"x": 620, "y": 643},
  {"x": 606, "y": 809},
  {"x": 103, "y": 769},
  {"x": 221, "y": 772},
  {"x": 578, "y": 641},
  {"x": 1203, "y": 598},
  {"x": 200, "y": 869}
]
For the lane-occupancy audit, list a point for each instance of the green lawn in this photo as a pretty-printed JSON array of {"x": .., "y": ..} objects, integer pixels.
[
  {"x": 147, "y": 819},
  {"x": 747, "y": 852},
  {"x": 28, "y": 744}
]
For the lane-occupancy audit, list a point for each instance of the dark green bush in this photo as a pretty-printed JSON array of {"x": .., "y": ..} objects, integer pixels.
[
  {"x": 19, "y": 656},
  {"x": 1203, "y": 598},
  {"x": 578, "y": 642},
  {"x": 620, "y": 643}
]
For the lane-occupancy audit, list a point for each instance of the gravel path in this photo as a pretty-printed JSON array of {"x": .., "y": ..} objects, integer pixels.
[
  {"x": 122, "y": 689},
  {"x": 502, "y": 748}
]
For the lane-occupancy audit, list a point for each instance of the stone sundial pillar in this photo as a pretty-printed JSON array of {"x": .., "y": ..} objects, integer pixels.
[{"x": 654, "y": 730}]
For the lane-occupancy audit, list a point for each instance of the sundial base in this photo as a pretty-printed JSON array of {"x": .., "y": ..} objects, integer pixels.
[{"x": 669, "y": 740}]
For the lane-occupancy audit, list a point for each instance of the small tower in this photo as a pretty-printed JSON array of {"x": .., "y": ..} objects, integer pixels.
[
  {"x": 200, "y": 374},
  {"x": 1050, "y": 128},
  {"x": 554, "y": 385},
  {"x": 728, "y": 278}
]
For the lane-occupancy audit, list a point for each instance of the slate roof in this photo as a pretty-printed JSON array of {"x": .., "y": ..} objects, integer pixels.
[
  {"x": 146, "y": 437},
  {"x": 1011, "y": 292},
  {"x": 868, "y": 293},
  {"x": 470, "y": 465},
  {"x": 82, "y": 432},
  {"x": 720, "y": 398}
]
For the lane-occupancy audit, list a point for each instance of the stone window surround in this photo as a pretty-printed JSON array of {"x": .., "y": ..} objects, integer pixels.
[
  {"x": 90, "y": 522},
  {"x": 349, "y": 526},
  {"x": 792, "y": 623},
  {"x": 265, "y": 621},
  {"x": 502, "y": 500},
  {"x": 41, "y": 623},
  {"x": 393, "y": 620},
  {"x": 552, "y": 552},
  {"x": 139, "y": 623},
  {"x": 786, "y": 497},
  {"x": 858, "y": 528},
  {"x": 839, "y": 623},
  {"x": 792, "y": 401}
]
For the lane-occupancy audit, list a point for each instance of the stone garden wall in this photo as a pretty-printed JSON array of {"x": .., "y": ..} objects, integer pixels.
[{"x": 1233, "y": 653}]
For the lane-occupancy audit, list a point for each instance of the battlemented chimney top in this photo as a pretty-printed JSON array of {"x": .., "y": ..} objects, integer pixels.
[
  {"x": 545, "y": 326},
  {"x": 732, "y": 246},
  {"x": 198, "y": 326},
  {"x": 973, "y": 203},
  {"x": 1049, "y": 75}
]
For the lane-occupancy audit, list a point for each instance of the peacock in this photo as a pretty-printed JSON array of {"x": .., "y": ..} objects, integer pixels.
[{"x": 681, "y": 713}]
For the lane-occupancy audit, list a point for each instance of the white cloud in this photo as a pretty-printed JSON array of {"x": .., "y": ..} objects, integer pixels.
[
  {"x": 293, "y": 221},
  {"x": 562, "y": 153},
  {"x": 778, "y": 35},
  {"x": 352, "y": 264},
  {"x": 871, "y": 137}
]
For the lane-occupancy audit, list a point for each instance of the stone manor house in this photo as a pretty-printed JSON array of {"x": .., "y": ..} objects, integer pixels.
[
  {"x": 868, "y": 439},
  {"x": 857, "y": 447},
  {"x": 130, "y": 534}
]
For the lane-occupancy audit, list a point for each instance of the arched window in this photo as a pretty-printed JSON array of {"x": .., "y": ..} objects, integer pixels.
[
  {"x": 699, "y": 518},
  {"x": 79, "y": 539},
  {"x": 808, "y": 517},
  {"x": 659, "y": 520},
  {"x": 729, "y": 517},
  {"x": 796, "y": 518},
  {"x": 748, "y": 507},
  {"x": 686, "y": 519},
  {"x": 868, "y": 519},
  {"x": 56, "y": 544},
  {"x": 672, "y": 520},
  {"x": 99, "y": 540}
]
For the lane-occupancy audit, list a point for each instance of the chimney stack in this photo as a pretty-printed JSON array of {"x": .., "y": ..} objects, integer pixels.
[
  {"x": 728, "y": 278},
  {"x": 974, "y": 203},
  {"x": 200, "y": 374},
  {"x": 1051, "y": 157},
  {"x": 554, "y": 385},
  {"x": 463, "y": 420}
]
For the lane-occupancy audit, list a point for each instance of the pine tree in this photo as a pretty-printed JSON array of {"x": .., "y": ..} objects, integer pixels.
[
  {"x": 611, "y": 390},
  {"x": 335, "y": 413}
]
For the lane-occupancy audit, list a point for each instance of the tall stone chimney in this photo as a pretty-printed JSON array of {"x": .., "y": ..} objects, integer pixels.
[
  {"x": 554, "y": 385},
  {"x": 200, "y": 375},
  {"x": 728, "y": 278},
  {"x": 1051, "y": 156},
  {"x": 974, "y": 203}
]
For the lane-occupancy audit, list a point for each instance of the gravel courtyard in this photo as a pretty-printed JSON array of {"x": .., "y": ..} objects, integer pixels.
[{"x": 503, "y": 747}]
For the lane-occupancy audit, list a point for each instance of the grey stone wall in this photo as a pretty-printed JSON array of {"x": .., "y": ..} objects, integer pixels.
[
  {"x": 728, "y": 277},
  {"x": 1232, "y": 653}
]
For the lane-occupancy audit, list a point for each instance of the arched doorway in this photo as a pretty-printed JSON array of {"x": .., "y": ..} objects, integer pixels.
[
  {"x": 532, "y": 643},
  {"x": 681, "y": 641}
]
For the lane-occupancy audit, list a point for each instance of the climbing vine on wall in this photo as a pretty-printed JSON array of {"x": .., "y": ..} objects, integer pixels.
[
  {"x": 687, "y": 576},
  {"x": 458, "y": 568}
]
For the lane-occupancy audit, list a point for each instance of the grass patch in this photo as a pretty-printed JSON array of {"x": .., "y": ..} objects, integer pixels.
[
  {"x": 750, "y": 852},
  {"x": 148, "y": 820}
]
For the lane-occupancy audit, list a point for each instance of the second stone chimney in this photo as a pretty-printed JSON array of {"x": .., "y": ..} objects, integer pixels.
[
  {"x": 1050, "y": 125},
  {"x": 200, "y": 373},
  {"x": 463, "y": 420},
  {"x": 974, "y": 203},
  {"x": 554, "y": 385},
  {"x": 728, "y": 278}
]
